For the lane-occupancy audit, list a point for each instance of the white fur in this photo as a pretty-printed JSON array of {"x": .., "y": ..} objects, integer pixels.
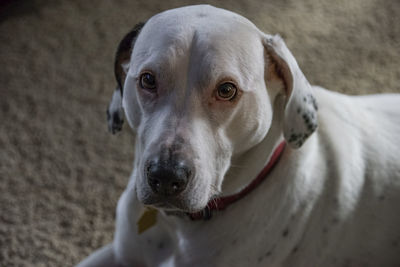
[{"x": 333, "y": 198}]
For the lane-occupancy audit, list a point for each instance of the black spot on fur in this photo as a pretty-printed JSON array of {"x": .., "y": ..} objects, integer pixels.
[
  {"x": 295, "y": 249},
  {"x": 325, "y": 230},
  {"x": 309, "y": 119},
  {"x": 294, "y": 137},
  {"x": 311, "y": 100},
  {"x": 300, "y": 142},
  {"x": 314, "y": 102},
  {"x": 285, "y": 232},
  {"x": 382, "y": 197},
  {"x": 160, "y": 245},
  {"x": 269, "y": 252}
]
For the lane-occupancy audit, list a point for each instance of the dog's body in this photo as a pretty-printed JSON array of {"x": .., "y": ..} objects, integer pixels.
[{"x": 331, "y": 199}]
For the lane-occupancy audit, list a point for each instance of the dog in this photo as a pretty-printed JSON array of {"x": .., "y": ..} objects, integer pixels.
[{"x": 240, "y": 161}]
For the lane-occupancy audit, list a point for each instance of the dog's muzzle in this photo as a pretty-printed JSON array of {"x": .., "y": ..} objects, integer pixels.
[{"x": 168, "y": 178}]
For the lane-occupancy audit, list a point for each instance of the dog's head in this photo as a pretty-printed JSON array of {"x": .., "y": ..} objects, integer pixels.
[{"x": 199, "y": 85}]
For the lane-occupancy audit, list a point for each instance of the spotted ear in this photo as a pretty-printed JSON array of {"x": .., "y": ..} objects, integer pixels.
[
  {"x": 115, "y": 114},
  {"x": 300, "y": 114}
]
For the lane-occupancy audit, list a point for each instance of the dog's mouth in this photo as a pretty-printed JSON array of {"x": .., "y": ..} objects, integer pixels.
[
  {"x": 165, "y": 206},
  {"x": 170, "y": 205},
  {"x": 176, "y": 205}
]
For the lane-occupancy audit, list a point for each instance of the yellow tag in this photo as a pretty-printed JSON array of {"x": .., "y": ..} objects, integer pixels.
[{"x": 147, "y": 220}]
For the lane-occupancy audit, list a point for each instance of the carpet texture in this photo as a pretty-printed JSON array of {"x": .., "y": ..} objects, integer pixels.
[{"x": 61, "y": 172}]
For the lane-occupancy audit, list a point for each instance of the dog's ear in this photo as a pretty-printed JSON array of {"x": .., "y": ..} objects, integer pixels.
[
  {"x": 115, "y": 114},
  {"x": 300, "y": 114},
  {"x": 123, "y": 55}
]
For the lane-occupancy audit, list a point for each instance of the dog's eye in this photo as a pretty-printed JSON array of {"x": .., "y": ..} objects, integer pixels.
[
  {"x": 147, "y": 81},
  {"x": 226, "y": 91}
]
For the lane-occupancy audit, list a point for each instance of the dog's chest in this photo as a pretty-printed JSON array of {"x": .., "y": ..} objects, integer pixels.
[
  {"x": 224, "y": 245},
  {"x": 245, "y": 240}
]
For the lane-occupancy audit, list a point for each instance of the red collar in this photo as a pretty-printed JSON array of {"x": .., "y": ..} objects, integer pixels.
[{"x": 220, "y": 203}]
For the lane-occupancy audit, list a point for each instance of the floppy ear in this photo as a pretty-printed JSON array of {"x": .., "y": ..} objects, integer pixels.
[
  {"x": 115, "y": 114},
  {"x": 300, "y": 115},
  {"x": 123, "y": 55}
]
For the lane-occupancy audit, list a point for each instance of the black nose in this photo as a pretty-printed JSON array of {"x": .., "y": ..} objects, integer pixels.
[{"x": 167, "y": 178}]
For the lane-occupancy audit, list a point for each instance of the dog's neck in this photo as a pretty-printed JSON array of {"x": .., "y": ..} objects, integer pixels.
[
  {"x": 246, "y": 166},
  {"x": 244, "y": 169}
]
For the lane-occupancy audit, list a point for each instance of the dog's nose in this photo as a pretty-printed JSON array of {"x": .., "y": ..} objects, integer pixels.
[{"x": 168, "y": 178}]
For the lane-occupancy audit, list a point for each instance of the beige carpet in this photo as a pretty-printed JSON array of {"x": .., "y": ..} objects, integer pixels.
[{"x": 61, "y": 172}]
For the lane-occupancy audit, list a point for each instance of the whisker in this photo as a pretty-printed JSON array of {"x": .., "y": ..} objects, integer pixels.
[
  {"x": 214, "y": 190},
  {"x": 215, "y": 203}
]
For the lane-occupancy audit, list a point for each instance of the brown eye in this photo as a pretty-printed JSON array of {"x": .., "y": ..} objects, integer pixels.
[
  {"x": 147, "y": 81},
  {"x": 226, "y": 91}
]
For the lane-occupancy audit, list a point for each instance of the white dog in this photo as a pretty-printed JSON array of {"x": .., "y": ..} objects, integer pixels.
[{"x": 238, "y": 163}]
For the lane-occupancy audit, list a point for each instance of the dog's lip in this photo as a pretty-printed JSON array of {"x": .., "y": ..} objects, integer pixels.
[
  {"x": 171, "y": 207},
  {"x": 174, "y": 204},
  {"x": 164, "y": 205}
]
